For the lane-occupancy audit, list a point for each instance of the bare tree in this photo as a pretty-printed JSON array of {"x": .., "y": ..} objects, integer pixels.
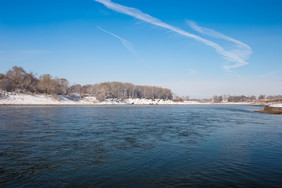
[
  {"x": 30, "y": 83},
  {"x": 217, "y": 99},
  {"x": 261, "y": 97},
  {"x": 45, "y": 84},
  {"x": 3, "y": 82},
  {"x": 60, "y": 86},
  {"x": 75, "y": 90},
  {"x": 18, "y": 80},
  {"x": 15, "y": 78}
]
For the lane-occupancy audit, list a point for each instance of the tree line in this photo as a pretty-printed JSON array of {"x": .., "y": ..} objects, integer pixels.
[
  {"x": 243, "y": 98},
  {"x": 18, "y": 80}
]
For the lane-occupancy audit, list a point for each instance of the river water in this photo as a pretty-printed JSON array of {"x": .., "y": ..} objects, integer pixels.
[{"x": 140, "y": 146}]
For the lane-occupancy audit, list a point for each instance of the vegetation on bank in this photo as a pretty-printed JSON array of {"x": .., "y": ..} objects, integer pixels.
[
  {"x": 243, "y": 98},
  {"x": 271, "y": 110},
  {"x": 18, "y": 80}
]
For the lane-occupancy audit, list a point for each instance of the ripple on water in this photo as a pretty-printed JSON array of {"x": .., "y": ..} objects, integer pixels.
[{"x": 139, "y": 146}]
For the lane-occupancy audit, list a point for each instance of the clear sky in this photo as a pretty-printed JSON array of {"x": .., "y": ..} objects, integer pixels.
[{"x": 198, "y": 48}]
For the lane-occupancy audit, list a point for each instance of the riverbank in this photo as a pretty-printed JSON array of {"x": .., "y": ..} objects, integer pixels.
[
  {"x": 41, "y": 99},
  {"x": 272, "y": 109},
  {"x": 19, "y": 99}
]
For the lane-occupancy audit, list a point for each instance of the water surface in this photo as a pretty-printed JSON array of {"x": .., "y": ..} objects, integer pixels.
[{"x": 140, "y": 146}]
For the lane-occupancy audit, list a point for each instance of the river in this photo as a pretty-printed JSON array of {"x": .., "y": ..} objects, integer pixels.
[{"x": 140, "y": 146}]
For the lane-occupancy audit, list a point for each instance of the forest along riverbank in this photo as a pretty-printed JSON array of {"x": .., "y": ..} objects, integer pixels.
[{"x": 18, "y": 87}]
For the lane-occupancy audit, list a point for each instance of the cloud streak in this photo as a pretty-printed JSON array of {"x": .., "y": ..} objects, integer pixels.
[
  {"x": 215, "y": 34},
  {"x": 124, "y": 42},
  {"x": 242, "y": 50},
  {"x": 230, "y": 56}
]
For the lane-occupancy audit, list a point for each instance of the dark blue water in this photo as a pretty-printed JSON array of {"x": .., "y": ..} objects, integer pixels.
[{"x": 140, "y": 146}]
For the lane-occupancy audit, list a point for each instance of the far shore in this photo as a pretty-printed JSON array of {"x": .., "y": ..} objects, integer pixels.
[
  {"x": 20, "y": 99},
  {"x": 271, "y": 110},
  {"x": 99, "y": 104}
]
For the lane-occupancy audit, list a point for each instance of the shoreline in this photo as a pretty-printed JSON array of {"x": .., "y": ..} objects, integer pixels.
[
  {"x": 98, "y": 104},
  {"x": 271, "y": 110},
  {"x": 20, "y": 99}
]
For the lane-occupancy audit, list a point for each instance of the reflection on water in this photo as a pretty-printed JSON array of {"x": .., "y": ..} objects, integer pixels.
[{"x": 140, "y": 146}]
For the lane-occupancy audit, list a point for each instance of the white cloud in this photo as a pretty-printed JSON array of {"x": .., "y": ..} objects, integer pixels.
[
  {"x": 215, "y": 34},
  {"x": 124, "y": 42},
  {"x": 242, "y": 50},
  {"x": 236, "y": 59}
]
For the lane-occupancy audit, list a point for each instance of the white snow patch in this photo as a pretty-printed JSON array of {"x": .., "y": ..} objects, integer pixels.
[
  {"x": 143, "y": 101},
  {"x": 277, "y": 105},
  {"x": 9, "y": 98},
  {"x": 35, "y": 99},
  {"x": 137, "y": 101}
]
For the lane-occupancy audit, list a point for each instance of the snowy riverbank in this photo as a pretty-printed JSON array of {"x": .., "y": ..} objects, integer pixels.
[
  {"x": 41, "y": 99},
  {"x": 277, "y": 105},
  {"x": 274, "y": 108},
  {"x": 35, "y": 99},
  {"x": 8, "y": 98}
]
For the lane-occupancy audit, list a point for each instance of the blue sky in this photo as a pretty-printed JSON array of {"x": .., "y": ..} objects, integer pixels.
[{"x": 198, "y": 48}]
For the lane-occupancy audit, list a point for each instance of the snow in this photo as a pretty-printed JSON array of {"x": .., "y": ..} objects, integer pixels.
[
  {"x": 41, "y": 99},
  {"x": 277, "y": 105},
  {"x": 147, "y": 102},
  {"x": 137, "y": 101},
  {"x": 25, "y": 99},
  {"x": 8, "y": 98}
]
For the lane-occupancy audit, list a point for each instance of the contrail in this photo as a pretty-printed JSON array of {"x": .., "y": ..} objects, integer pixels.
[
  {"x": 124, "y": 42},
  {"x": 133, "y": 12},
  {"x": 243, "y": 50},
  {"x": 213, "y": 33}
]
